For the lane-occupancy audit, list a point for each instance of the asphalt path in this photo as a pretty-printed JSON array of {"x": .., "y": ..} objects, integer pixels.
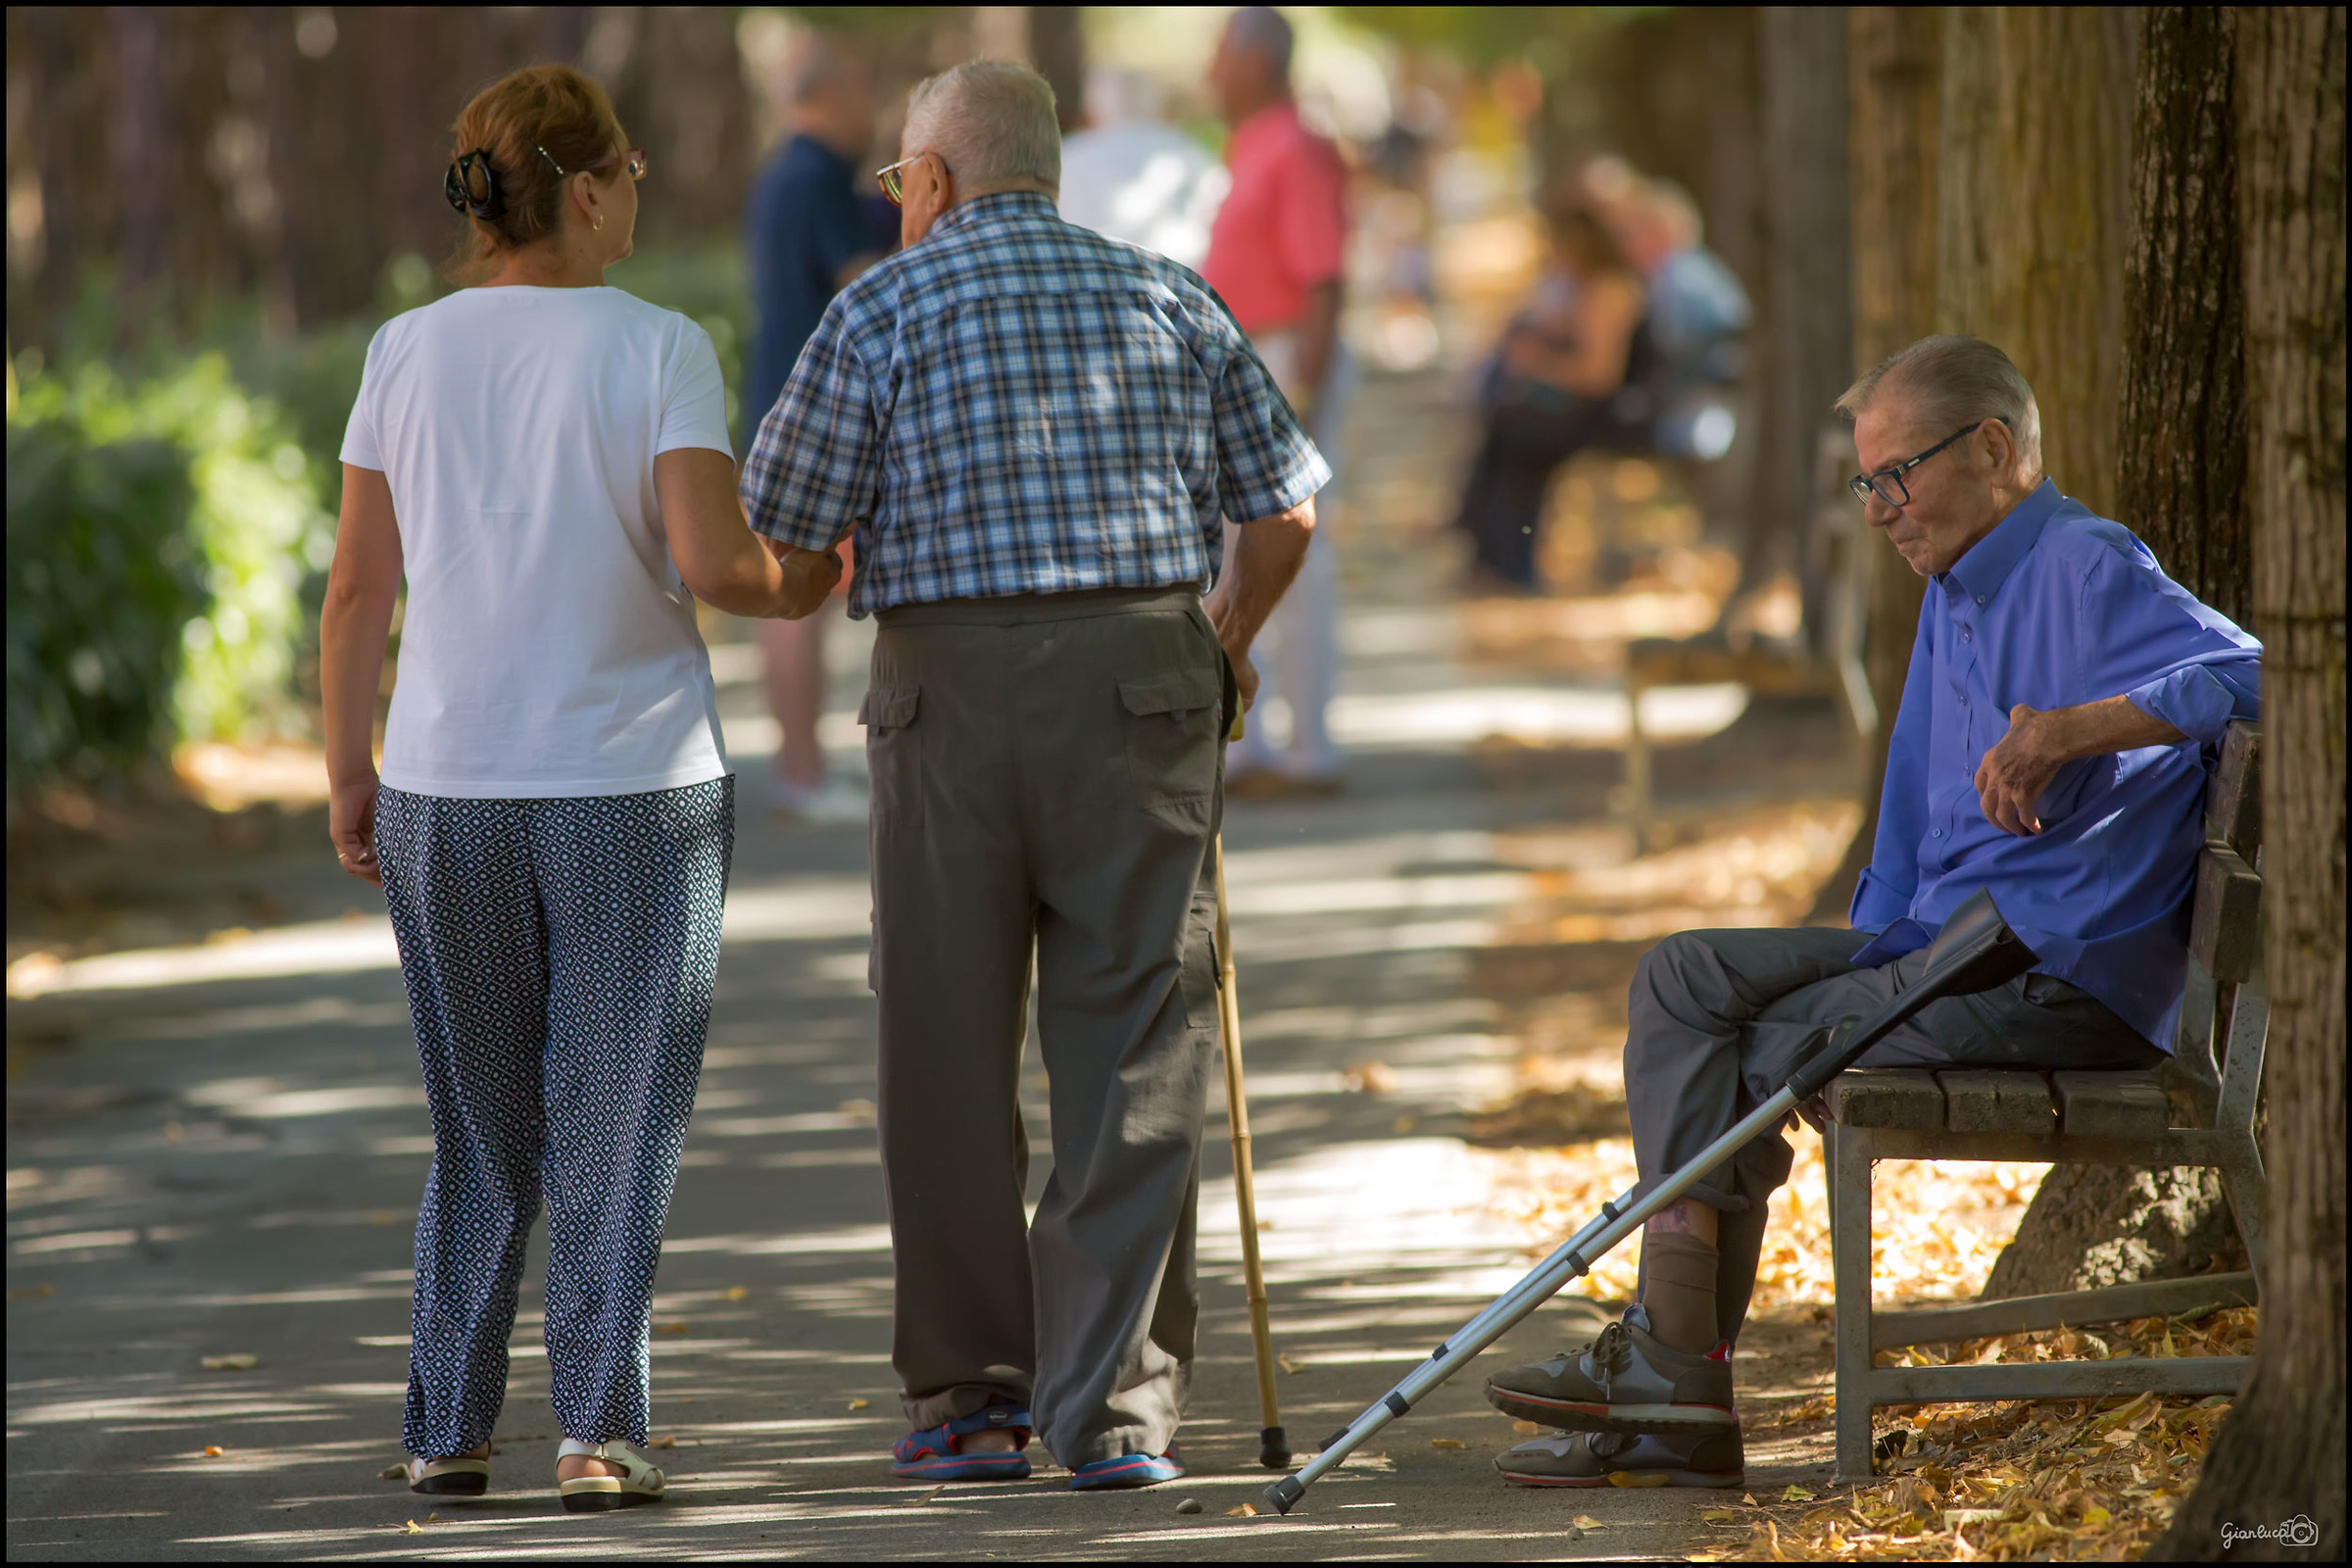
[{"x": 226, "y": 1160}]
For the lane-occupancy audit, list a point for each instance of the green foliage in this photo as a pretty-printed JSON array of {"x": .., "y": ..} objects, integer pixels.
[{"x": 159, "y": 533}]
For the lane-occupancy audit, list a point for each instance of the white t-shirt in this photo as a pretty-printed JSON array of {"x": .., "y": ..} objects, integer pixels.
[
  {"x": 550, "y": 647},
  {"x": 1147, "y": 184}
]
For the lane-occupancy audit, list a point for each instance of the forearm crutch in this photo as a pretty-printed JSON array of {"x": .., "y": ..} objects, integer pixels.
[
  {"x": 1273, "y": 1446},
  {"x": 1974, "y": 951}
]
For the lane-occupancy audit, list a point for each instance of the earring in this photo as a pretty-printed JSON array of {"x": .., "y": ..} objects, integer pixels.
[{"x": 600, "y": 222}]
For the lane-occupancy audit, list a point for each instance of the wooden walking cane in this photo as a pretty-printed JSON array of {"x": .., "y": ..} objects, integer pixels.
[{"x": 1273, "y": 1446}]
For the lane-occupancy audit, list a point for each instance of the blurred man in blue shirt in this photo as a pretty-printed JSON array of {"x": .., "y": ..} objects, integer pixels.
[
  {"x": 808, "y": 236},
  {"x": 2063, "y": 699}
]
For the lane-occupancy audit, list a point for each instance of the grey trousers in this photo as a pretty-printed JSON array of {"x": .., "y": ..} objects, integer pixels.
[
  {"x": 1719, "y": 1021},
  {"x": 1046, "y": 779}
]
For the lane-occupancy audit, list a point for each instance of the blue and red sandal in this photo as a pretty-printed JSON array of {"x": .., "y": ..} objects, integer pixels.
[
  {"x": 932, "y": 1455},
  {"x": 1128, "y": 1470}
]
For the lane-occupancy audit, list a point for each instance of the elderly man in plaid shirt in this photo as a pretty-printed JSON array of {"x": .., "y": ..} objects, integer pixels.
[{"x": 1032, "y": 432}]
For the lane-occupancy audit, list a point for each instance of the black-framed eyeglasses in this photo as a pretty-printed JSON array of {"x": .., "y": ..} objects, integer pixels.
[
  {"x": 894, "y": 183},
  {"x": 1887, "y": 483}
]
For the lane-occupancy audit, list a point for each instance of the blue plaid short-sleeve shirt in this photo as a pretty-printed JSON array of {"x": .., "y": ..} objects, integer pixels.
[{"x": 1020, "y": 406}]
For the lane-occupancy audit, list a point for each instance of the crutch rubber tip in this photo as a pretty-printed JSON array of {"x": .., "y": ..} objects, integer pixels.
[
  {"x": 1273, "y": 1447},
  {"x": 1283, "y": 1493}
]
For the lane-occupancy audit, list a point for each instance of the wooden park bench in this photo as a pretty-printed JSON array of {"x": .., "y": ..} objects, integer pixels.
[{"x": 2111, "y": 1118}]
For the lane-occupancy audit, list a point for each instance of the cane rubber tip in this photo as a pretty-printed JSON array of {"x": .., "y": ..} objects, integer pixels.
[
  {"x": 1284, "y": 1494},
  {"x": 1273, "y": 1449}
]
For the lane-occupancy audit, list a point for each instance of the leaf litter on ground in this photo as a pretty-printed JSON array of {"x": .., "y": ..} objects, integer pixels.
[{"x": 2078, "y": 1480}]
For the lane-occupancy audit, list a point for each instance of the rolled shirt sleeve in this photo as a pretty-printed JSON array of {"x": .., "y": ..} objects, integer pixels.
[
  {"x": 1265, "y": 462},
  {"x": 814, "y": 467},
  {"x": 2174, "y": 656}
]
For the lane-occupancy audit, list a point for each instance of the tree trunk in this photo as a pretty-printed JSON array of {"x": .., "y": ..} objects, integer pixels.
[
  {"x": 2181, "y": 479},
  {"x": 2034, "y": 209},
  {"x": 1894, "y": 56},
  {"x": 2181, "y": 484},
  {"x": 2279, "y": 1457},
  {"x": 1808, "y": 353},
  {"x": 1057, "y": 48}
]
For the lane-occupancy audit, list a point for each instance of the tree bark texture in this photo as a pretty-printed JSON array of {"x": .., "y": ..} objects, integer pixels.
[
  {"x": 2181, "y": 481},
  {"x": 1807, "y": 352},
  {"x": 2281, "y": 1453},
  {"x": 1057, "y": 48},
  {"x": 2036, "y": 133},
  {"x": 1892, "y": 59},
  {"x": 2180, "y": 478}
]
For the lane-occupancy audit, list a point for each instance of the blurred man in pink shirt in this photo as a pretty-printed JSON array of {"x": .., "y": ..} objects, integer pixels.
[{"x": 1276, "y": 254}]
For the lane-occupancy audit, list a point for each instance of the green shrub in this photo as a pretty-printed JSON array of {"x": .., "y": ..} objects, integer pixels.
[
  {"x": 103, "y": 573},
  {"x": 179, "y": 513}
]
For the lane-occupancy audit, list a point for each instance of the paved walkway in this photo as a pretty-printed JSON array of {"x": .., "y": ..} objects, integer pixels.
[{"x": 225, "y": 1162}]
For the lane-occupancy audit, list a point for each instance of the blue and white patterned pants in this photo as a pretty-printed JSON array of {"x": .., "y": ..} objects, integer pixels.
[{"x": 560, "y": 956}]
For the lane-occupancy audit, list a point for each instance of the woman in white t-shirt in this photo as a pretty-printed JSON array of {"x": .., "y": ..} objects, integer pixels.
[{"x": 546, "y": 461}]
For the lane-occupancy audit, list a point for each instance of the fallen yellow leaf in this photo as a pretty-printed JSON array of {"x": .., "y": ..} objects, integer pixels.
[
  {"x": 1796, "y": 1494},
  {"x": 1585, "y": 1521},
  {"x": 859, "y": 1405},
  {"x": 1288, "y": 1365},
  {"x": 672, "y": 1328},
  {"x": 1447, "y": 1443},
  {"x": 213, "y": 1450},
  {"x": 917, "y": 1502},
  {"x": 1404, "y": 1124},
  {"x": 241, "y": 1362},
  {"x": 1525, "y": 1426},
  {"x": 1720, "y": 1516},
  {"x": 1242, "y": 1510},
  {"x": 736, "y": 1292},
  {"x": 668, "y": 1440}
]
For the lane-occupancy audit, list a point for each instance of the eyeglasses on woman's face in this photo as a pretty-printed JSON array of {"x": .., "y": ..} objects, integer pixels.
[{"x": 633, "y": 161}]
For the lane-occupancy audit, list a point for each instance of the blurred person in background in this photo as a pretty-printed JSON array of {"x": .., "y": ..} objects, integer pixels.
[
  {"x": 1131, "y": 175},
  {"x": 1699, "y": 313},
  {"x": 546, "y": 461},
  {"x": 1277, "y": 254},
  {"x": 809, "y": 235},
  {"x": 1551, "y": 393}
]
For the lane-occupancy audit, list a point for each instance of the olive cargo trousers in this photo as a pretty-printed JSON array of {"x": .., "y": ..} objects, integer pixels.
[{"x": 1045, "y": 778}]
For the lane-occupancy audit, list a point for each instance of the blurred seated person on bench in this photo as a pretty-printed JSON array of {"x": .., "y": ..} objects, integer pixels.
[
  {"x": 1549, "y": 393},
  {"x": 1699, "y": 320},
  {"x": 2051, "y": 747}
]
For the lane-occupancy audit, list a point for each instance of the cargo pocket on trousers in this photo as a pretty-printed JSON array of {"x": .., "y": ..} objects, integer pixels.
[
  {"x": 894, "y": 757},
  {"x": 1173, "y": 744}
]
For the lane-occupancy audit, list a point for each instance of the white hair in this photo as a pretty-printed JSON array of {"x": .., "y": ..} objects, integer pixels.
[
  {"x": 1950, "y": 380},
  {"x": 990, "y": 120}
]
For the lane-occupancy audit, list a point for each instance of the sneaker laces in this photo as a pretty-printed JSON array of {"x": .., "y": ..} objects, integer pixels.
[{"x": 1611, "y": 1353}]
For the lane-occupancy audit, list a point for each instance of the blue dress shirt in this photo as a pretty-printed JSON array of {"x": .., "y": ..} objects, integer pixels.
[{"x": 2053, "y": 609}]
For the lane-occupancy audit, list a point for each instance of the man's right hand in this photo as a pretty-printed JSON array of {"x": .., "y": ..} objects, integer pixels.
[{"x": 810, "y": 579}]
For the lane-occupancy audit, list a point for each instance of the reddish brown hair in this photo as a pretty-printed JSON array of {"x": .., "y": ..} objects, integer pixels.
[{"x": 527, "y": 125}]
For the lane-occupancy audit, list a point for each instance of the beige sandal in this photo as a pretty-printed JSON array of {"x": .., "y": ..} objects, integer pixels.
[{"x": 638, "y": 1483}]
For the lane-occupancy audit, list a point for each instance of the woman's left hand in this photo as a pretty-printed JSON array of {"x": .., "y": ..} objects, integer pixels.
[{"x": 351, "y": 824}]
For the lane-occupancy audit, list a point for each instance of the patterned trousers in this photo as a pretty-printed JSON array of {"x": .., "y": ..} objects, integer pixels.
[{"x": 560, "y": 956}]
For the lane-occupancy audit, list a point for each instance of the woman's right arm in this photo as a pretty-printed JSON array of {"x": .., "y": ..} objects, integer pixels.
[
  {"x": 353, "y": 626},
  {"x": 723, "y": 561}
]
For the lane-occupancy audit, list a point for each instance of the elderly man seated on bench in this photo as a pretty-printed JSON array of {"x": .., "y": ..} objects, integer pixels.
[{"x": 2062, "y": 698}]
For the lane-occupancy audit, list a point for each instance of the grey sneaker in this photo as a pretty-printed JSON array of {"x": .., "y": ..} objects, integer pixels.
[
  {"x": 1626, "y": 1459},
  {"x": 1624, "y": 1381}
]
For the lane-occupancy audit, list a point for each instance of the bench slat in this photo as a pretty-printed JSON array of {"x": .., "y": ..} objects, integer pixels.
[
  {"x": 1977, "y": 1101},
  {"x": 2233, "y": 799},
  {"x": 1886, "y": 1096},
  {"x": 2224, "y": 925},
  {"x": 2110, "y": 1105}
]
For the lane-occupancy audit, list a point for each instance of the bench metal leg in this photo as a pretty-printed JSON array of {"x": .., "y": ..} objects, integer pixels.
[{"x": 1850, "y": 1261}]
